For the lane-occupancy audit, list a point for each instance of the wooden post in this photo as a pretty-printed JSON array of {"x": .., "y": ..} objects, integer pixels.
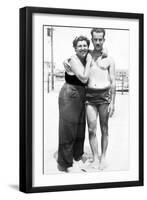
[
  {"x": 48, "y": 83},
  {"x": 52, "y": 60}
]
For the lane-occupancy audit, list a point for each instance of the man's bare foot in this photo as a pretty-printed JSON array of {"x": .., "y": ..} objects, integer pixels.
[
  {"x": 103, "y": 164},
  {"x": 90, "y": 160},
  {"x": 93, "y": 163}
]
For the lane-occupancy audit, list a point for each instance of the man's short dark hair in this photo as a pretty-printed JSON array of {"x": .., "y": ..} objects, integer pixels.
[
  {"x": 80, "y": 38},
  {"x": 98, "y": 30}
]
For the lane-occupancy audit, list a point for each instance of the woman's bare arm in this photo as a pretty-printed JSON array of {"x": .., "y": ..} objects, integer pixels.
[{"x": 79, "y": 70}]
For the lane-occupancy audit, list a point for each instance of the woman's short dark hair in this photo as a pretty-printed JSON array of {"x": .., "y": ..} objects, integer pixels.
[
  {"x": 98, "y": 30},
  {"x": 80, "y": 38}
]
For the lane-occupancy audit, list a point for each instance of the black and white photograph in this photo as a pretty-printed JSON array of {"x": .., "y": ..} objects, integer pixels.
[
  {"x": 83, "y": 109},
  {"x": 86, "y": 99}
]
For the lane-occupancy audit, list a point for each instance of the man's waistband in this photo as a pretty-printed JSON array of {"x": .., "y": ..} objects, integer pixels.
[{"x": 89, "y": 89}]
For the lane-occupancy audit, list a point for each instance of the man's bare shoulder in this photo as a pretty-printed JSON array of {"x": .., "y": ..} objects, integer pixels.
[
  {"x": 105, "y": 63},
  {"x": 109, "y": 59}
]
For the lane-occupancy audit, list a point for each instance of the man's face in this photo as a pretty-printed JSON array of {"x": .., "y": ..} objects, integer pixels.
[
  {"x": 81, "y": 48},
  {"x": 98, "y": 41}
]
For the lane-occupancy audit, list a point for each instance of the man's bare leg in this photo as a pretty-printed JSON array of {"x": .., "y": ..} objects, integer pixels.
[
  {"x": 92, "y": 114},
  {"x": 104, "y": 116},
  {"x": 104, "y": 143}
]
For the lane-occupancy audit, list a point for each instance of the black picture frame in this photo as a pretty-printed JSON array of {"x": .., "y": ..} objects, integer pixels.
[{"x": 26, "y": 96}]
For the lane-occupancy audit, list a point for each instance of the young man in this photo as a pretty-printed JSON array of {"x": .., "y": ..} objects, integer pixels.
[{"x": 100, "y": 96}]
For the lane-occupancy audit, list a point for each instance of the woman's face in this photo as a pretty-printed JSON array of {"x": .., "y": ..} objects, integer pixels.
[{"x": 81, "y": 48}]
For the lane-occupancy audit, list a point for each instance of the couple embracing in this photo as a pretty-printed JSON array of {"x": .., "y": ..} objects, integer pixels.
[{"x": 88, "y": 92}]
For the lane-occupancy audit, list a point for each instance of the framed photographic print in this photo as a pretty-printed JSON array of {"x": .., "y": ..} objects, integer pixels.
[{"x": 81, "y": 99}]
